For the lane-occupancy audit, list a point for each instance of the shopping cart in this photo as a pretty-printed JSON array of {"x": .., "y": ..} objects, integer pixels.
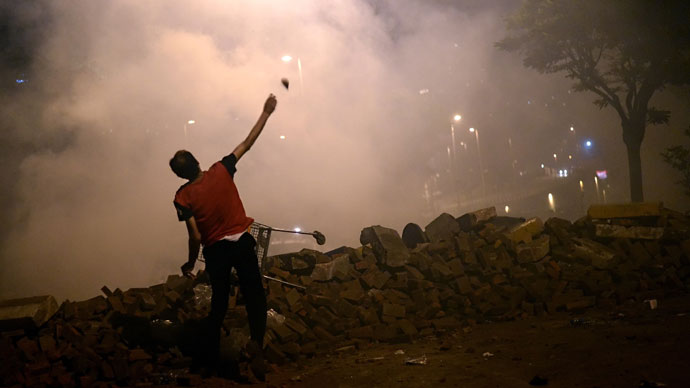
[{"x": 262, "y": 235}]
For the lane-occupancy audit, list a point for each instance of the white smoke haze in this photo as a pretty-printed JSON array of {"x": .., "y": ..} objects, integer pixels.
[{"x": 359, "y": 137}]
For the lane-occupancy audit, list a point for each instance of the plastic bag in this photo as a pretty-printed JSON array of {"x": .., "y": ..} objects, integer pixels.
[{"x": 274, "y": 319}]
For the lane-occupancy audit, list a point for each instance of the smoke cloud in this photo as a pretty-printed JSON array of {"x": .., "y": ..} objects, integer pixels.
[{"x": 366, "y": 123}]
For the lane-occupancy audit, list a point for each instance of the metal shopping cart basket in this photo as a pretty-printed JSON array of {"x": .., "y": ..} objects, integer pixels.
[{"x": 262, "y": 235}]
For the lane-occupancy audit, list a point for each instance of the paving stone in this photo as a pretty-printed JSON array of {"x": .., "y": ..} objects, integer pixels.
[
  {"x": 26, "y": 313},
  {"x": 388, "y": 247},
  {"x": 443, "y": 228}
]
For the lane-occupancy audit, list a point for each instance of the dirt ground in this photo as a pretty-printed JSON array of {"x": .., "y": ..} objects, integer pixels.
[{"x": 631, "y": 346}]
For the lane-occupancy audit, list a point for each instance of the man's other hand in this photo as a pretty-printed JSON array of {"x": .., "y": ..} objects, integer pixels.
[
  {"x": 187, "y": 269},
  {"x": 270, "y": 104}
]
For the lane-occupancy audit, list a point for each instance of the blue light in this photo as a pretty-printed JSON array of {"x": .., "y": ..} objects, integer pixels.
[
  {"x": 588, "y": 143},
  {"x": 21, "y": 81}
]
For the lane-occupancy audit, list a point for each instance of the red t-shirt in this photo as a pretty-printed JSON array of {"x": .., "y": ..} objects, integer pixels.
[{"x": 214, "y": 202}]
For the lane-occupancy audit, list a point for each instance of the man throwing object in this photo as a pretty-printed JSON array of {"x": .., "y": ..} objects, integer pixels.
[{"x": 210, "y": 205}]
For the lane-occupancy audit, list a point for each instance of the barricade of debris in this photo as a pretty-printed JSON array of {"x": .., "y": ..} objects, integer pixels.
[{"x": 450, "y": 275}]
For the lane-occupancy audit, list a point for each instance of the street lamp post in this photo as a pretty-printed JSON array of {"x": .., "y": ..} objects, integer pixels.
[
  {"x": 479, "y": 156},
  {"x": 454, "y": 167}
]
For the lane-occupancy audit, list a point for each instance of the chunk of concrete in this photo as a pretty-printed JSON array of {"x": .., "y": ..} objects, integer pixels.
[
  {"x": 388, "y": 247},
  {"x": 526, "y": 231},
  {"x": 625, "y": 210},
  {"x": 533, "y": 250},
  {"x": 591, "y": 252},
  {"x": 26, "y": 313},
  {"x": 327, "y": 271},
  {"x": 443, "y": 228},
  {"x": 469, "y": 220},
  {"x": 631, "y": 232}
]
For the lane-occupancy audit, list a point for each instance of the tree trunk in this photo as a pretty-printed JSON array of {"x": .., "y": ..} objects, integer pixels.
[
  {"x": 635, "y": 172},
  {"x": 633, "y": 134}
]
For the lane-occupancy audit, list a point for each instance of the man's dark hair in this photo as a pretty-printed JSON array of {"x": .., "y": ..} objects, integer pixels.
[{"x": 184, "y": 164}]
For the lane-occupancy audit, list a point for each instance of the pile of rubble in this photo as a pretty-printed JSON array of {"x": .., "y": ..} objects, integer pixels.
[{"x": 454, "y": 273}]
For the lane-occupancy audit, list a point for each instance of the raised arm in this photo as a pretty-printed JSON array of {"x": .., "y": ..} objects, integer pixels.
[{"x": 269, "y": 107}]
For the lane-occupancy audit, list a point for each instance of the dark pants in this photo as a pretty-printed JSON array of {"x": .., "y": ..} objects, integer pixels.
[{"x": 220, "y": 258}]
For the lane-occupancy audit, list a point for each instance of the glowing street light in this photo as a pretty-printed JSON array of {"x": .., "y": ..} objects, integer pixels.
[
  {"x": 298, "y": 229},
  {"x": 572, "y": 129},
  {"x": 588, "y": 144},
  {"x": 457, "y": 117},
  {"x": 552, "y": 204},
  {"x": 282, "y": 137},
  {"x": 288, "y": 59},
  {"x": 191, "y": 122}
]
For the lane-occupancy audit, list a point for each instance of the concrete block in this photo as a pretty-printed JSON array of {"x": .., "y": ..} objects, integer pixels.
[
  {"x": 533, "y": 251},
  {"x": 630, "y": 232},
  {"x": 327, "y": 271},
  {"x": 293, "y": 298},
  {"x": 445, "y": 323},
  {"x": 385, "y": 332},
  {"x": 464, "y": 285},
  {"x": 381, "y": 279},
  {"x": 526, "y": 231},
  {"x": 407, "y": 327},
  {"x": 456, "y": 267},
  {"x": 368, "y": 316},
  {"x": 625, "y": 210},
  {"x": 414, "y": 272},
  {"x": 389, "y": 248},
  {"x": 29, "y": 348},
  {"x": 353, "y": 291},
  {"x": 26, "y": 313},
  {"x": 441, "y": 269},
  {"x": 285, "y": 334},
  {"x": 443, "y": 228},
  {"x": 394, "y": 310},
  {"x": 594, "y": 253},
  {"x": 469, "y": 220}
]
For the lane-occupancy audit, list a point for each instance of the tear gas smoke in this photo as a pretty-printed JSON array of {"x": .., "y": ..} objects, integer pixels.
[{"x": 125, "y": 84}]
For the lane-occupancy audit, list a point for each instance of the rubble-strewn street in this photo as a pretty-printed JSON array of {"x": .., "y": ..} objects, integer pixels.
[{"x": 477, "y": 300}]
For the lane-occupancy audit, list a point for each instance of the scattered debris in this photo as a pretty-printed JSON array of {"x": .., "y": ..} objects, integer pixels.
[
  {"x": 416, "y": 361},
  {"x": 652, "y": 303},
  {"x": 651, "y": 384},
  {"x": 458, "y": 272}
]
